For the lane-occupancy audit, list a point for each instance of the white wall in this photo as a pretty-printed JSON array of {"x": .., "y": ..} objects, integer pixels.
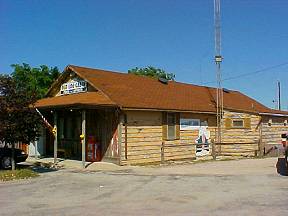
[{"x": 37, "y": 148}]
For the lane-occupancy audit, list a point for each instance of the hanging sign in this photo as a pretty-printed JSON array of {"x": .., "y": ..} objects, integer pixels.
[{"x": 73, "y": 86}]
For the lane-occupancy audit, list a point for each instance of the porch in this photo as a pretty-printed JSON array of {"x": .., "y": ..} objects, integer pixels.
[{"x": 81, "y": 131}]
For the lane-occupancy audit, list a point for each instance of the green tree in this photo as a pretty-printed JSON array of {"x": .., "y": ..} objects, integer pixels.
[
  {"x": 37, "y": 80},
  {"x": 19, "y": 120},
  {"x": 152, "y": 72}
]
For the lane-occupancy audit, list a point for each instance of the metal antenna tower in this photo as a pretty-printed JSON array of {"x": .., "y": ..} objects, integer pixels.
[
  {"x": 218, "y": 60},
  {"x": 277, "y": 100}
]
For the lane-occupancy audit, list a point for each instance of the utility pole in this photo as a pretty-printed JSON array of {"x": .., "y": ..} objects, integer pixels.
[
  {"x": 218, "y": 61},
  {"x": 279, "y": 95},
  {"x": 277, "y": 101}
]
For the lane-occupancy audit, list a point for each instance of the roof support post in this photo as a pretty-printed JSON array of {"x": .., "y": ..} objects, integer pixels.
[
  {"x": 213, "y": 150},
  {"x": 83, "y": 138},
  {"x": 126, "y": 138},
  {"x": 120, "y": 126},
  {"x": 261, "y": 145},
  {"x": 55, "y": 137}
]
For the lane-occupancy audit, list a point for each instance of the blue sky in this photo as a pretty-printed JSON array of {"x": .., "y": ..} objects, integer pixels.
[{"x": 177, "y": 36}]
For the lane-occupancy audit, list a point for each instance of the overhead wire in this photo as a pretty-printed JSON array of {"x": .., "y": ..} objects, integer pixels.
[{"x": 251, "y": 73}]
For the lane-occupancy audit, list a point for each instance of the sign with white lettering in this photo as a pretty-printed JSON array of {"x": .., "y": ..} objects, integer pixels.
[{"x": 73, "y": 86}]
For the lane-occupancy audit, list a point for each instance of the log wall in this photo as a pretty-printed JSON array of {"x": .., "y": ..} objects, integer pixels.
[
  {"x": 271, "y": 133},
  {"x": 188, "y": 137},
  {"x": 144, "y": 138},
  {"x": 145, "y": 143},
  {"x": 242, "y": 141}
]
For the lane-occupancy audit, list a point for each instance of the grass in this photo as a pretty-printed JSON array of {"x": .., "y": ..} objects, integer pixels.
[{"x": 10, "y": 175}]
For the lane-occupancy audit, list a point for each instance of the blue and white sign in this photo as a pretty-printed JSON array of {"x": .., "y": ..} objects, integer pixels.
[
  {"x": 189, "y": 124},
  {"x": 74, "y": 86}
]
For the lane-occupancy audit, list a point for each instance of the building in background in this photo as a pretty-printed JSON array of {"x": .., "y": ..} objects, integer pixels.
[{"x": 130, "y": 119}]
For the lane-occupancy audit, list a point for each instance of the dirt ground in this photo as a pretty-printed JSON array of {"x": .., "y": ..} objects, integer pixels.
[{"x": 242, "y": 187}]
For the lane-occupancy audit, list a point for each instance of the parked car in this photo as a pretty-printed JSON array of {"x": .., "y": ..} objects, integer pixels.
[{"x": 6, "y": 156}]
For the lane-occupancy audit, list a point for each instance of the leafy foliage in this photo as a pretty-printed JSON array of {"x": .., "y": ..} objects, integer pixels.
[
  {"x": 152, "y": 72},
  {"x": 36, "y": 80},
  {"x": 19, "y": 120}
]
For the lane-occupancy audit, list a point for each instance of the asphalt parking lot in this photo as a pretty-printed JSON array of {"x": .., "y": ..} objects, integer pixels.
[{"x": 242, "y": 187}]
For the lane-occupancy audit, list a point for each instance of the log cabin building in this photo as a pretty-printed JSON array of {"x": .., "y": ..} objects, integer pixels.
[{"x": 128, "y": 119}]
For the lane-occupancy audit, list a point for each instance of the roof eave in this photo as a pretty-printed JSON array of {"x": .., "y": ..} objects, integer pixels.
[
  {"x": 165, "y": 110},
  {"x": 274, "y": 114},
  {"x": 78, "y": 105}
]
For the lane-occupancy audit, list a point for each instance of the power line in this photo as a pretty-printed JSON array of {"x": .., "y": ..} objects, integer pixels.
[{"x": 251, "y": 73}]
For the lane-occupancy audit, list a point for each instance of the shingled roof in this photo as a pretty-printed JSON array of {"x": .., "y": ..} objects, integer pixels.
[
  {"x": 80, "y": 99},
  {"x": 129, "y": 91}
]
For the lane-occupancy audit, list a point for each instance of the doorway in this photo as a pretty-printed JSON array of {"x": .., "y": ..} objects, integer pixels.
[{"x": 68, "y": 134}]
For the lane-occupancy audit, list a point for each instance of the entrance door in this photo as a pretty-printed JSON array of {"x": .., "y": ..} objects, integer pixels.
[{"x": 69, "y": 130}]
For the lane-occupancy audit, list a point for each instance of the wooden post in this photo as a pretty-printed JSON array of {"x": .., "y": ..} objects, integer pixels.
[
  {"x": 104, "y": 133},
  {"x": 162, "y": 153},
  {"x": 120, "y": 138},
  {"x": 55, "y": 138},
  {"x": 213, "y": 150},
  {"x": 261, "y": 147},
  {"x": 83, "y": 138},
  {"x": 13, "y": 163},
  {"x": 126, "y": 150}
]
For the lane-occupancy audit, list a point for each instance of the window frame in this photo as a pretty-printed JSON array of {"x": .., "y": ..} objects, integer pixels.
[
  {"x": 190, "y": 127},
  {"x": 174, "y": 126},
  {"x": 270, "y": 122},
  {"x": 238, "y": 120}
]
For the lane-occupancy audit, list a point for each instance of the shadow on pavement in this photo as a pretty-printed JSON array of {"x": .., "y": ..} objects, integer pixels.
[
  {"x": 281, "y": 166},
  {"x": 88, "y": 164},
  {"x": 40, "y": 169},
  {"x": 36, "y": 168}
]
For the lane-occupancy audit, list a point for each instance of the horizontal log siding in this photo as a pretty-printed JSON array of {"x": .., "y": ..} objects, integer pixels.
[
  {"x": 186, "y": 148},
  {"x": 271, "y": 135},
  {"x": 144, "y": 137},
  {"x": 243, "y": 141},
  {"x": 179, "y": 149}
]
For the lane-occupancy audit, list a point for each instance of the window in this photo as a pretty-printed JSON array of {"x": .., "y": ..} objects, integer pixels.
[
  {"x": 171, "y": 123},
  {"x": 170, "y": 126},
  {"x": 204, "y": 123},
  {"x": 190, "y": 124},
  {"x": 239, "y": 123},
  {"x": 244, "y": 123}
]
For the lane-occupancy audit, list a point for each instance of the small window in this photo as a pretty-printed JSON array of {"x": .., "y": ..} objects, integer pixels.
[
  {"x": 239, "y": 123},
  {"x": 270, "y": 122},
  {"x": 171, "y": 122},
  {"x": 195, "y": 122},
  {"x": 204, "y": 123},
  {"x": 189, "y": 124}
]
